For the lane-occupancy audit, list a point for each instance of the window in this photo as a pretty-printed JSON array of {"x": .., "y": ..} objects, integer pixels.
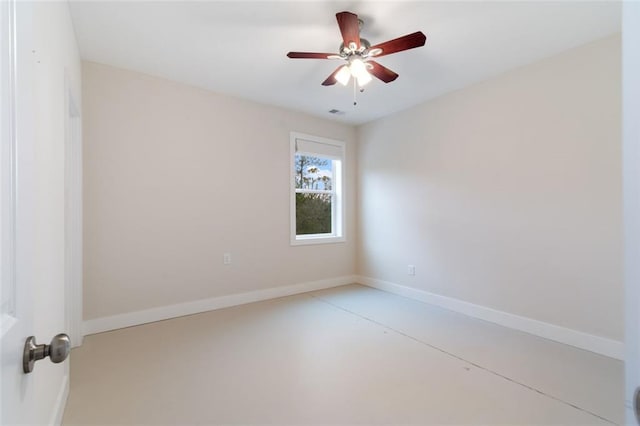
[{"x": 317, "y": 205}]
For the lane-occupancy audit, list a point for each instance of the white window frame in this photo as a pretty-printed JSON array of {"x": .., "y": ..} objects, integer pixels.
[{"x": 338, "y": 191}]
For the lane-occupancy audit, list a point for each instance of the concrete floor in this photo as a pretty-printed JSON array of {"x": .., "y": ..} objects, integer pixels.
[{"x": 349, "y": 355}]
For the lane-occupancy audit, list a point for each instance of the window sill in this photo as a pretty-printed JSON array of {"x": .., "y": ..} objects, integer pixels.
[{"x": 316, "y": 239}]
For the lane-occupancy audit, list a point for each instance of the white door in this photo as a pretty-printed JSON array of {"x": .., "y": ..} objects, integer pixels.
[
  {"x": 16, "y": 144},
  {"x": 24, "y": 398}
]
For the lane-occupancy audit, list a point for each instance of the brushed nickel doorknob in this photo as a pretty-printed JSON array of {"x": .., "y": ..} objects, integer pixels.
[{"x": 58, "y": 350}]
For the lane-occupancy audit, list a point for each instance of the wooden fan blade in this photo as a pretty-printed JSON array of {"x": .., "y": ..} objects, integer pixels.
[
  {"x": 383, "y": 73},
  {"x": 349, "y": 28},
  {"x": 399, "y": 44},
  {"x": 309, "y": 55},
  {"x": 331, "y": 80}
]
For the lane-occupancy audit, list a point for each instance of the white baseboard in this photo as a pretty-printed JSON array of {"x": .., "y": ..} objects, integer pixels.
[
  {"x": 114, "y": 322},
  {"x": 589, "y": 342},
  {"x": 61, "y": 402}
]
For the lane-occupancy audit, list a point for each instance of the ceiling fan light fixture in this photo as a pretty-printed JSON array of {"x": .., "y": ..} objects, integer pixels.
[
  {"x": 357, "y": 67},
  {"x": 364, "y": 78},
  {"x": 343, "y": 75},
  {"x": 359, "y": 71}
]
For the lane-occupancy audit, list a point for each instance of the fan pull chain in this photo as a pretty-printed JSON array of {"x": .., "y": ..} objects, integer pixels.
[{"x": 355, "y": 92}]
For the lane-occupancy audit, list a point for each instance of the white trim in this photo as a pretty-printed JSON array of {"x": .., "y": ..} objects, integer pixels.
[
  {"x": 631, "y": 199},
  {"x": 61, "y": 402},
  {"x": 317, "y": 239},
  {"x": 579, "y": 339},
  {"x": 114, "y": 322}
]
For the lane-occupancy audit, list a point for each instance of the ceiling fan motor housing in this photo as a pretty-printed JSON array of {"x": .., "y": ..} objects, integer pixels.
[{"x": 346, "y": 51}]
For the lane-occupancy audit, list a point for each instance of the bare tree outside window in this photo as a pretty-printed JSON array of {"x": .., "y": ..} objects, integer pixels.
[{"x": 314, "y": 194}]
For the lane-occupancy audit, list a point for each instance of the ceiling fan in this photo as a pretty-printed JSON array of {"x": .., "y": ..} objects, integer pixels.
[{"x": 358, "y": 53}]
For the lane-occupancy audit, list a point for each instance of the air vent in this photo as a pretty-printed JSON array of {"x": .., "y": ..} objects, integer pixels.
[{"x": 336, "y": 112}]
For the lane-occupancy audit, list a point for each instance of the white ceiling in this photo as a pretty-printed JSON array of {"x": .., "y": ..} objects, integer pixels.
[{"x": 239, "y": 47}]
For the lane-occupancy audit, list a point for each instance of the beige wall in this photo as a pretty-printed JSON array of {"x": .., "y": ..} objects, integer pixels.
[
  {"x": 505, "y": 194},
  {"x": 174, "y": 176}
]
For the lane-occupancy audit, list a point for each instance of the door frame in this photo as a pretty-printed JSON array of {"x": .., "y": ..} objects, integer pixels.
[{"x": 631, "y": 194}]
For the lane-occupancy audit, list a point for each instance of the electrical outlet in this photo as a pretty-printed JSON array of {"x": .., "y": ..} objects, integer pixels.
[
  {"x": 226, "y": 259},
  {"x": 411, "y": 270}
]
